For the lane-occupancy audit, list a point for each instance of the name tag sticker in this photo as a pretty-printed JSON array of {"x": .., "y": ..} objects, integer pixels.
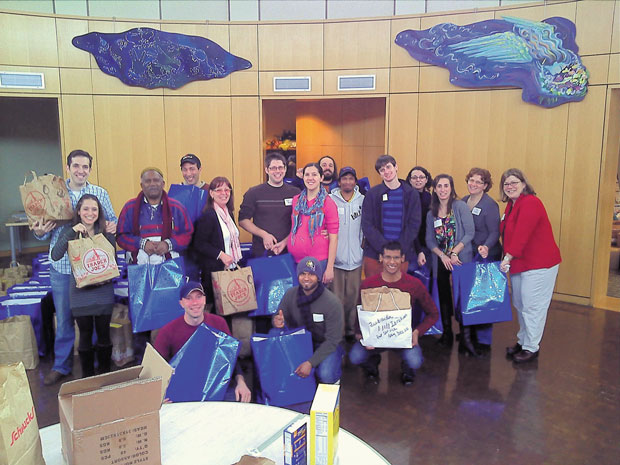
[
  {"x": 475, "y": 211},
  {"x": 385, "y": 197},
  {"x": 341, "y": 211},
  {"x": 503, "y": 216},
  {"x": 437, "y": 224},
  {"x": 318, "y": 317},
  {"x": 288, "y": 202}
]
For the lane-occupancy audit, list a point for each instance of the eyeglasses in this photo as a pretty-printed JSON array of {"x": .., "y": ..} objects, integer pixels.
[
  {"x": 222, "y": 190},
  {"x": 277, "y": 168},
  {"x": 511, "y": 184},
  {"x": 418, "y": 178}
]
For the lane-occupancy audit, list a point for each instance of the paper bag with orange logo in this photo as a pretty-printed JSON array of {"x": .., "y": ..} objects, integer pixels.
[
  {"x": 234, "y": 291},
  {"x": 46, "y": 198},
  {"x": 93, "y": 260},
  {"x": 20, "y": 443}
]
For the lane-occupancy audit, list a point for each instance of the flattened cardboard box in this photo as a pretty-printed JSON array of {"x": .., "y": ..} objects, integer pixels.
[{"x": 113, "y": 419}]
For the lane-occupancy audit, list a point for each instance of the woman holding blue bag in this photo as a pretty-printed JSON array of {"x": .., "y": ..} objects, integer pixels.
[
  {"x": 533, "y": 259},
  {"x": 485, "y": 212},
  {"x": 91, "y": 306},
  {"x": 449, "y": 232}
]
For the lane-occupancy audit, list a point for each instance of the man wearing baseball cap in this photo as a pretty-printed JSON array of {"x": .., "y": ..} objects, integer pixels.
[
  {"x": 175, "y": 334},
  {"x": 349, "y": 255},
  {"x": 191, "y": 169},
  {"x": 316, "y": 308}
]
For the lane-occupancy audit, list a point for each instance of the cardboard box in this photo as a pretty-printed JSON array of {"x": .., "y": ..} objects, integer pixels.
[
  {"x": 324, "y": 425},
  {"x": 114, "y": 418}
]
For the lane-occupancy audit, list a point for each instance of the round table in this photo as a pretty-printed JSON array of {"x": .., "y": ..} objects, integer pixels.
[{"x": 221, "y": 432}]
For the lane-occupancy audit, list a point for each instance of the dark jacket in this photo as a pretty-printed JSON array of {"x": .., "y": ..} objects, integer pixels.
[{"x": 372, "y": 220}]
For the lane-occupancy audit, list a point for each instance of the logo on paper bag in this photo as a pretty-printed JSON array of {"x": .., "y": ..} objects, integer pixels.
[
  {"x": 238, "y": 291},
  {"x": 95, "y": 261},
  {"x": 15, "y": 435},
  {"x": 35, "y": 203}
]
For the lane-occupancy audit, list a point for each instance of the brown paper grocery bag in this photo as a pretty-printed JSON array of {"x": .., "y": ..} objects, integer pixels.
[
  {"x": 121, "y": 335},
  {"x": 17, "y": 342},
  {"x": 93, "y": 260},
  {"x": 234, "y": 291},
  {"x": 46, "y": 198},
  {"x": 385, "y": 298},
  {"x": 20, "y": 443}
]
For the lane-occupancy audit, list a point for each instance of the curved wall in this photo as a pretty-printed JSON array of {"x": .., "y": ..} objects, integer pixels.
[{"x": 428, "y": 121}]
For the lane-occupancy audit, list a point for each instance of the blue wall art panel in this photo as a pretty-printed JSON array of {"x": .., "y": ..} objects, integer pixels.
[
  {"x": 150, "y": 58},
  {"x": 540, "y": 57}
]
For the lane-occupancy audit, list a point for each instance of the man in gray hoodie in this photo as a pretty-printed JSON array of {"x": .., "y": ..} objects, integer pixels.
[{"x": 348, "y": 264}]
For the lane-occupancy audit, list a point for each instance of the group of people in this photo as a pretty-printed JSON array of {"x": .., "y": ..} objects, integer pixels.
[{"x": 335, "y": 230}]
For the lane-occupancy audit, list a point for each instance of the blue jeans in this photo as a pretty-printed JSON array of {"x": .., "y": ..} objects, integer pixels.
[
  {"x": 65, "y": 330},
  {"x": 411, "y": 359}
]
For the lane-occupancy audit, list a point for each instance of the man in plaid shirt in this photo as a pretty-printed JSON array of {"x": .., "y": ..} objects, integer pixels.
[{"x": 79, "y": 164}]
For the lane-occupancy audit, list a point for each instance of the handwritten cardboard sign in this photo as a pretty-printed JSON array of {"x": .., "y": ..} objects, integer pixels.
[{"x": 386, "y": 329}]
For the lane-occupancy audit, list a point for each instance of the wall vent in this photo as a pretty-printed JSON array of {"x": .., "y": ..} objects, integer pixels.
[
  {"x": 292, "y": 84},
  {"x": 360, "y": 82},
  {"x": 22, "y": 80}
]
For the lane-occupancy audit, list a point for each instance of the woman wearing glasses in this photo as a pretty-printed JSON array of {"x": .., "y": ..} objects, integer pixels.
[
  {"x": 533, "y": 258},
  {"x": 314, "y": 230},
  {"x": 486, "y": 239},
  {"x": 216, "y": 238},
  {"x": 449, "y": 232},
  {"x": 421, "y": 180}
]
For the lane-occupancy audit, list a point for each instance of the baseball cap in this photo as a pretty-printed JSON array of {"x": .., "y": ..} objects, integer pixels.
[
  {"x": 311, "y": 265},
  {"x": 347, "y": 170},
  {"x": 190, "y": 286},
  {"x": 191, "y": 158}
]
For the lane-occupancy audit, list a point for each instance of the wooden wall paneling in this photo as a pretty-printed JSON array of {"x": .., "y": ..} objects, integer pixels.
[
  {"x": 50, "y": 76},
  {"x": 76, "y": 81},
  {"x": 607, "y": 179},
  {"x": 614, "y": 69},
  {"x": 27, "y": 40},
  {"x": 538, "y": 13},
  {"x": 615, "y": 33},
  {"x": 355, "y": 115},
  {"x": 70, "y": 56},
  {"x": 278, "y": 116},
  {"x": 371, "y": 153},
  {"x": 247, "y": 155},
  {"x": 594, "y": 26},
  {"x": 598, "y": 67},
  {"x": 290, "y": 47},
  {"x": 382, "y": 81},
  {"x": 403, "y": 130},
  {"x": 202, "y": 126},
  {"x": 319, "y": 130},
  {"x": 265, "y": 83},
  {"x": 357, "y": 44},
  {"x": 130, "y": 136},
  {"x": 78, "y": 128},
  {"x": 437, "y": 79},
  {"x": 583, "y": 163},
  {"x": 405, "y": 79},
  {"x": 398, "y": 55},
  {"x": 460, "y": 19},
  {"x": 217, "y": 33},
  {"x": 244, "y": 43}
]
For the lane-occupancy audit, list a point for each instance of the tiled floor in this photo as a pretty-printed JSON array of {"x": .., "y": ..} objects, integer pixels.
[{"x": 562, "y": 409}]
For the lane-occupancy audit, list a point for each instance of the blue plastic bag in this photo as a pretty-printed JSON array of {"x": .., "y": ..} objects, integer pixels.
[
  {"x": 193, "y": 198},
  {"x": 480, "y": 293},
  {"x": 273, "y": 276},
  {"x": 423, "y": 273},
  {"x": 154, "y": 294},
  {"x": 31, "y": 307},
  {"x": 203, "y": 367},
  {"x": 276, "y": 357}
]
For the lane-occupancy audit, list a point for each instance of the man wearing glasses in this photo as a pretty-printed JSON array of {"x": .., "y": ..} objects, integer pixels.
[{"x": 266, "y": 209}]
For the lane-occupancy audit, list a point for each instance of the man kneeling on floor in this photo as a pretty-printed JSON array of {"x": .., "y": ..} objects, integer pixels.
[
  {"x": 411, "y": 359},
  {"x": 316, "y": 308},
  {"x": 175, "y": 334}
]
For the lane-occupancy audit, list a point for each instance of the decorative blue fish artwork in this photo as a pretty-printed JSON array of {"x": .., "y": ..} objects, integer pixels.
[
  {"x": 539, "y": 57},
  {"x": 149, "y": 58}
]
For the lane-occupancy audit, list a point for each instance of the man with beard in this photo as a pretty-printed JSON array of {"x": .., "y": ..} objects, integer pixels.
[
  {"x": 316, "y": 308},
  {"x": 328, "y": 164}
]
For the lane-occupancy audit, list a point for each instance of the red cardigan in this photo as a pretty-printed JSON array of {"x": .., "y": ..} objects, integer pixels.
[{"x": 527, "y": 235}]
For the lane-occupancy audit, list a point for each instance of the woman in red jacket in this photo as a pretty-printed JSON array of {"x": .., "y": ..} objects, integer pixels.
[{"x": 533, "y": 258}]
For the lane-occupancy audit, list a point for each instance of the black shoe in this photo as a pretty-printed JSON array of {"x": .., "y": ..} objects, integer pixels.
[
  {"x": 515, "y": 349},
  {"x": 372, "y": 377},
  {"x": 465, "y": 345},
  {"x": 446, "y": 339},
  {"x": 53, "y": 377},
  {"x": 407, "y": 378},
  {"x": 524, "y": 356}
]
